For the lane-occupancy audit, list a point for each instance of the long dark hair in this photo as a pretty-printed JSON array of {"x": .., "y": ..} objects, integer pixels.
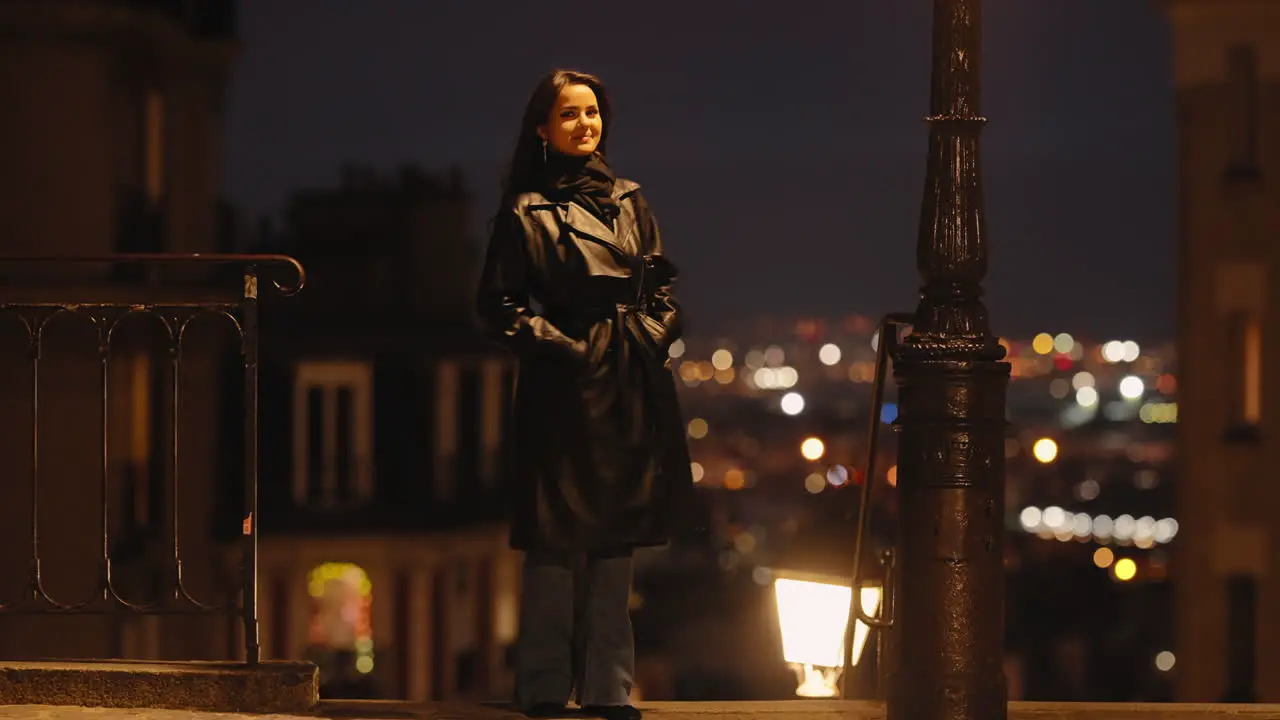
[{"x": 524, "y": 174}]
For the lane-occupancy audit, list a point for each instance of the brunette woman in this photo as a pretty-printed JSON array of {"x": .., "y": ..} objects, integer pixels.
[{"x": 597, "y": 463}]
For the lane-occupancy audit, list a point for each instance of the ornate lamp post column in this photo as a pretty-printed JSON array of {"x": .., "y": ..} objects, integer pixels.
[{"x": 952, "y": 384}]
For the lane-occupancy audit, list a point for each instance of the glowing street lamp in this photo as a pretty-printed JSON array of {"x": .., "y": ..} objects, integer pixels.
[{"x": 813, "y": 612}]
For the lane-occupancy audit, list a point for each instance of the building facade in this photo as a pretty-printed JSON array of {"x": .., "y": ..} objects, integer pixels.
[
  {"x": 383, "y": 553},
  {"x": 111, "y": 140},
  {"x": 1227, "y": 76}
]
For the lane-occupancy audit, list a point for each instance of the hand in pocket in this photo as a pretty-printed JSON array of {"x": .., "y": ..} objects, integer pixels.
[
  {"x": 587, "y": 350},
  {"x": 655, "y": 330}
]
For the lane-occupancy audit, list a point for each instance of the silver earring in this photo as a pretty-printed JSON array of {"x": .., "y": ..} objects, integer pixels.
[{"x": 544, "y": 151}]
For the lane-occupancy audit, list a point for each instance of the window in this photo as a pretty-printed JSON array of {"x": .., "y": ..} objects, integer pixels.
[
  {"x": 447, "y": 395},
  {"x": 1240, "y": 297},
  {"x": 140, "y": 430},
  {"x": 495, "y": 401},
  {"x": 333, "y": 433},
  {"x": 1245, "y": 348},
  {"x": 1241, "y": 660},
  {"x": 469, "y": 417},
  {"x": 146, "y": 443},
  {"x": 344, "y": 456},
  {"x": 153, "y": 147},
  {"x": 440, "y": 635},
  {"x": 472, "y": 400},
  {"x": 1242, "y": 89}
]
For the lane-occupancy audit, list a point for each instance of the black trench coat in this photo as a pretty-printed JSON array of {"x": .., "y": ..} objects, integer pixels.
[{"x": 596, "y": 457}]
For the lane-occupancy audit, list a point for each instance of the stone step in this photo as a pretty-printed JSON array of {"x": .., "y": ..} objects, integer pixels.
[{"x": 269, "y": 687}]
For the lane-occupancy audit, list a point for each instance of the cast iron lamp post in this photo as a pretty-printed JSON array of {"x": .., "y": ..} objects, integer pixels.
[{"x": 949, "y": 605}]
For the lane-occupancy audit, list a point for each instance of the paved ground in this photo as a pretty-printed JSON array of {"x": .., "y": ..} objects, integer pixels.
[
  {"x": 446, "y": 711},
  {"x": 792, "y": 710}
]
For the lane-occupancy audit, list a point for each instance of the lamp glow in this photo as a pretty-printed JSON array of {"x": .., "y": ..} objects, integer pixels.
[{"x": 813, "y": 615}]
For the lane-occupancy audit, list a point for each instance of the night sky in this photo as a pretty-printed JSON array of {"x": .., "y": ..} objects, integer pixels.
[{"x": 780, "y": 143}]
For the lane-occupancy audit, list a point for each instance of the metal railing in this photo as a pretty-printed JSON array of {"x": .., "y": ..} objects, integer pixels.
[
  {"x": 175, "y": 317},
  {"x": 883, "y": 621}
]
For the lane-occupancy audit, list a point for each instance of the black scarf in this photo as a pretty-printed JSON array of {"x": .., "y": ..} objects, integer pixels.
[{"x": 587, "y": 181}]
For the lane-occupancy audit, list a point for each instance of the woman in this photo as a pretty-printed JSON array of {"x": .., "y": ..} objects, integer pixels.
[{"x": 597, "y": 464}]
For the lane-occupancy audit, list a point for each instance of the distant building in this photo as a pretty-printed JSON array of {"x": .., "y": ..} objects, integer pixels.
[
  {"x": 1227, "y": 75},
  {"x": 383, "y": 419},
  {"x": 111, "y": 139},
  {"x": 383, "y": 553}
]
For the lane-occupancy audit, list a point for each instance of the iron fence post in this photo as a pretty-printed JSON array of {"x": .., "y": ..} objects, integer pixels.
[{"x": 249, "y": 605}]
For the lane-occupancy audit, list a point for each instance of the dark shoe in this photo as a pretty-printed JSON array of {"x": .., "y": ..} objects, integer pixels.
[
  {"x": 613, "y": 712},
  {"x": 546, "y": 710}
]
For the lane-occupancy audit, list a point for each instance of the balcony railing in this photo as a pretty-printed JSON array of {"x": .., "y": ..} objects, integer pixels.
[{"x": 236, "y": 303}]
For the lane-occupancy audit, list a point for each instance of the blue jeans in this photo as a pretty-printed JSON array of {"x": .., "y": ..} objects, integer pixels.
[{"x": 575, "y": 629}]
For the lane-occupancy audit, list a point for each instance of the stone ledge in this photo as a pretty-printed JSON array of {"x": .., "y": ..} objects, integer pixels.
[
  {"x": 788, "y": 710},
  {"x": 270, "y": 687},
  {"x": 797, "y": 710}
]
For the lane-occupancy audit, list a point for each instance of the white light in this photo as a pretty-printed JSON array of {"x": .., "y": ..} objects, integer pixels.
[
  {"x": 766, "y": 378},
  {"x": 1063, "y": 343},
  {"x": 1165, "y": 530},
  {"x": 812, "y": 448},
  {"x": 829, "y": 354},
  {"x": 1144, "y": 529},
  {"x": 792, "y": 403},
  {"x": 1165, "y": 661},
  {"x": 1124, "y": 527},
  {"x": 1131, "y": 350},
  {"x": 676, "y": 350},
  {"x": 722, "y": 359},
  {"x": 1030, "y": 517},
  {"x": 1045, "y": 450},
  {"x": 813, "y": 617},
  {"x": 1103, "y": 527},
  {"x": 1082, "y": 525},
  {"x": 1086, "y": 397},
  {"x": 1131, "y": 387},
  {"x": 1055, "y": 518},
  {"x": 838, "y": 475},
  {"x": 1083, "y": 379},
  {"x": 1113, "y": 351},
  {"x": 787, "y": 377}
]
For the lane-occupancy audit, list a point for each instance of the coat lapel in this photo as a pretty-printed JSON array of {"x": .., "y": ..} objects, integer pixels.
[
  {"x": 607, "y": 251},
  {"x": 596, "y": 241},
  {"x": 584, "y": 222}
]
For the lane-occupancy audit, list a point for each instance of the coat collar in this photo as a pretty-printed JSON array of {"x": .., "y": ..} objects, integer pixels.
[{"x": 585, "y": 222}]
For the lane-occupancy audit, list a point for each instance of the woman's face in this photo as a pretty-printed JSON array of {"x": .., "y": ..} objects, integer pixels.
[{"x": 575, "y": 125}]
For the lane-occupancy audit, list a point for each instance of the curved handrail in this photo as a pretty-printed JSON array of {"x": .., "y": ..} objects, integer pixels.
[
  {"x": 888, "y": 331},
  {"x": 243, "y": 259}
]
